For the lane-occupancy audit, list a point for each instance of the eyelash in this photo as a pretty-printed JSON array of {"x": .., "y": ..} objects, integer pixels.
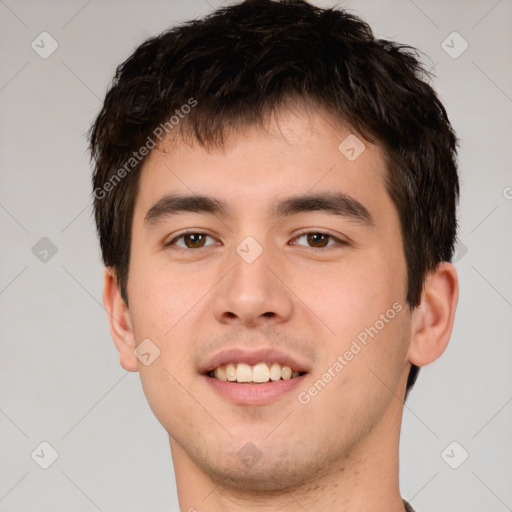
[{"x": 338, "y": 241}]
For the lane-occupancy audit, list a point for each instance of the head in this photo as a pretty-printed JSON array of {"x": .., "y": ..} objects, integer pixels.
[{"x": 251, "y": 105}]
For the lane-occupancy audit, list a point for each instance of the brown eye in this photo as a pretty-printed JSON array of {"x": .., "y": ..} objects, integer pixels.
[
  {"x": 190, "y": 241},
  {"x": 195, "y": 240},
  {"x": 319, "y": 240}
]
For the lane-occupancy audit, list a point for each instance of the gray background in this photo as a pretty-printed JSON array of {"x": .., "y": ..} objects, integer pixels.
[{"x": 60, "y": 378}]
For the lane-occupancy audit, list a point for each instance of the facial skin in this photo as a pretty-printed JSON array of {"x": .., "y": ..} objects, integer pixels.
[{"x": 340, "y": 450}]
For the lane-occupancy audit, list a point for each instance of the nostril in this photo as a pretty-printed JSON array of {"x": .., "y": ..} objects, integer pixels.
[{"x": 269, "y": 314}]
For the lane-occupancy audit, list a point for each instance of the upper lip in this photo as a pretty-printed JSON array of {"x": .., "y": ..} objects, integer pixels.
[{"x": 251, "y": 357}]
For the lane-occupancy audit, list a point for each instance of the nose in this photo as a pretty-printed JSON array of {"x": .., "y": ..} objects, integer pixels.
[{"x": 253, "y": 293}]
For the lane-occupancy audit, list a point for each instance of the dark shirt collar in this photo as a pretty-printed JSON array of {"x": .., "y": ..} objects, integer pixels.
[{"x": 408, "y": 507}]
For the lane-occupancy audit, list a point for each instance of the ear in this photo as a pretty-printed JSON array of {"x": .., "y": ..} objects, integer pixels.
[
  {"x": 119, "y": 320},
  {"x": 432, "y": 320}
]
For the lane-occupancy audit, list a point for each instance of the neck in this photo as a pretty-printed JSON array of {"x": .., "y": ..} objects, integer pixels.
[{"x": 365, "y": 477}]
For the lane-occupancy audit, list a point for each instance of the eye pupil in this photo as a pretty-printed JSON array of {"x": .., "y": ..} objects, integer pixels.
[
  {"x": 196, "y": 238},
  {"x": 315, "y": 238}
]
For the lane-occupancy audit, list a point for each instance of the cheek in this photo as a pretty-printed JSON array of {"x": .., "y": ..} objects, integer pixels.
[
  {"x": 364, "y": 307},
  {"x": 163, "y": 298},
  {"x": 372, "y": 356},
  {"x": 162, "y": 310},
  {"x": 355, "y": 296}
]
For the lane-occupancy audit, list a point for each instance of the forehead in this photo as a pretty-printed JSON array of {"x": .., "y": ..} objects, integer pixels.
[{"x": 294, "y": 153}]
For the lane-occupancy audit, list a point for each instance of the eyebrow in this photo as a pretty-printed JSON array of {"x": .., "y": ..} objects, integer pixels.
[{"x": 335, "y": 203}]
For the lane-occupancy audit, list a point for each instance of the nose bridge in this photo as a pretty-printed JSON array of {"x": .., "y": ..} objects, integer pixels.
[
  {"x": 251, "y": 276},
  {"x": 251, "y": 292}
]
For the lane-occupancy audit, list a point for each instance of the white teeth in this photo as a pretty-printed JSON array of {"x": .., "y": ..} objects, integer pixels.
[
  {"x": 231, "y": 372},
  {"x": 220, "y": 373},
  {"x": 287, "y": 372},
  {"x": 243, "y": 373},
  {"x": 261, "y": 372},
  {"x": 275, "y": 371}
]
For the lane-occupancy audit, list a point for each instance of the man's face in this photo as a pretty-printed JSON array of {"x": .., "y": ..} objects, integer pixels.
[{"x": 307, "y": 282}]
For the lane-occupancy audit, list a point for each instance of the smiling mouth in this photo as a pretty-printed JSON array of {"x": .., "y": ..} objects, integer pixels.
[{"x": 259, "y": 373}]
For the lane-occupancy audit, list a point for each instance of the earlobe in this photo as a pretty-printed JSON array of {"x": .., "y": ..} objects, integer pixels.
[
  {"x": 119, "y": 320},
  {"x": 433, "y": 319}
]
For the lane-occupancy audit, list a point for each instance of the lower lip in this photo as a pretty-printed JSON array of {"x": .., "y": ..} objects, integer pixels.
[{"x": 254, "y": 394}]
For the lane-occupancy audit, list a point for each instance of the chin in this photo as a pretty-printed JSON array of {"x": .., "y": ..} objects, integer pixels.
[{"x": 271, "y": 474}]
